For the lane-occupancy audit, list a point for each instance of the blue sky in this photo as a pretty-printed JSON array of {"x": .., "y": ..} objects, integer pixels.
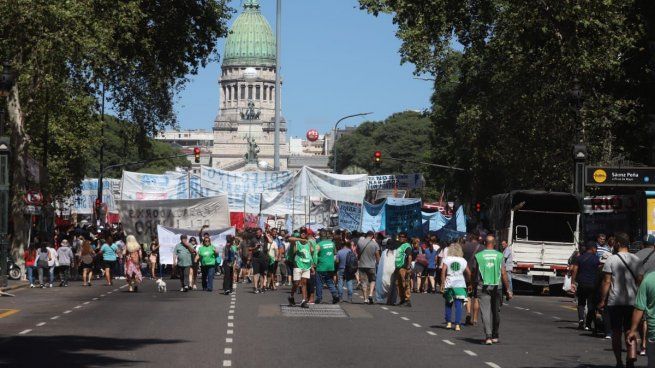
[{"x": 336, "y": 60}]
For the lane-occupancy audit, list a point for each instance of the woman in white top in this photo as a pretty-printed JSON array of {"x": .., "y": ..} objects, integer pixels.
[{"x": 455, "y": 276}]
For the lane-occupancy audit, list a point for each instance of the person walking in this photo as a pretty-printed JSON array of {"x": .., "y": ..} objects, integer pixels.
[
  {"x": 402, "y": 272},
  {"x": 344, "y": 275},
  {"x": 301, "y": 252},
  {"x": 508, "y": 262},
  {"x": 644, "y": 308},
  {"x": 229, "y": 256},
  {"x": 260, "y": 261},
  {"x": 368, "y": 253},
  {"x": 491, "y": 277},
  {"x": 153, "y": 257},
  {"x": 455, "y": 275},
  {"x": 195, "y": 266},
  {"x": 618, "y": 292},
  {"x": 133, "y": 275},
  {"x": 207, "y": 258},
  {"x": 184, "y": 252},
  {"x": 109, "y": 252},
  {"x": 584, "y": 274},
  {"x": 30, "y": 264},
  {"x": 87, "y": 257},
  {"x": 431, "y": 253},
  {"x": 66, "y": 259},
  {"x": 43, "y": 260},
  {"x": 325, "y": 258},
  {"x": 53, "y": 263}
]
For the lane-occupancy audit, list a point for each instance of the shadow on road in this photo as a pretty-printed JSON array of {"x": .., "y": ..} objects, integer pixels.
[{"x": 70, "y": 351}]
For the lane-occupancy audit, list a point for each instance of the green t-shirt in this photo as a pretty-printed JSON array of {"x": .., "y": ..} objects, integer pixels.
[
  {"x": 183, "y": 255},
  {"x": 401, "y": 255},
  {"x": 325, "y": 256},
  {"x": 489, "y": 264},
  {"x": 207, "y": 255},
  {"x": 303, "y": 257},
  {"x": 646, "y": 302}
]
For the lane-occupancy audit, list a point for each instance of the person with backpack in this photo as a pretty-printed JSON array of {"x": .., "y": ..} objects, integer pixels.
[
  {"x": 346, "y": 270},
  {"x": 87, "y": 257},
  {"x": 618, "y": 292},
  {"x": 43, "y": 261}
]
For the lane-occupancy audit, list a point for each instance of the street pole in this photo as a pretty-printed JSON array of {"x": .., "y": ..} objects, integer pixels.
[
  {"x": 278, "y": 87},
  {"x": 99, "y": 216},
  {"x": 334, "y": 137},
  {"x": 7, "y": 80}
]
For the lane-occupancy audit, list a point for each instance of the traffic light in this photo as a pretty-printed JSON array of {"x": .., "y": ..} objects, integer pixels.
[
  {"x": 478, "y": 207},
  {"x": 196, "y": 154},
  {"x": 377, "y": 157}
]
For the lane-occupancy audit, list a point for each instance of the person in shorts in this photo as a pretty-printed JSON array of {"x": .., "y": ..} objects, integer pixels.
[
  {"x": 259, "y": 250},
  {"x": 368, "y": 252},
  {"x": 302, "y": 253}
]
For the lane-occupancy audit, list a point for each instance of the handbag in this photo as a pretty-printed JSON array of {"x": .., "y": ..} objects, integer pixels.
[{"x": 422, "y": 259}]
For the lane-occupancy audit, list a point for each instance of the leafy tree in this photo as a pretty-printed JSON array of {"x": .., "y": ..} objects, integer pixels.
[
  {"x": 66, "y": 52},
  {"x": 503, "y": 107}
]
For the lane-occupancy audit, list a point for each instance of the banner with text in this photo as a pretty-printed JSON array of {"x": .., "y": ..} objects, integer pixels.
[
  {"x": 83, "y": 203},
  {"x": 404, "y": 214},
  {"x": 141, "y": 218},
  {"x": 146, "y": 187},
  {"x": 350, "y": 216},
  {"x": 403, "y": 181},
  {"x": 170, "y": 237},
  {"x": 374, "y": 217}
]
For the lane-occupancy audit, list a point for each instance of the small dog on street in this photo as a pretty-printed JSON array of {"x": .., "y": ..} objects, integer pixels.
[{"x": 161, "y": 286}]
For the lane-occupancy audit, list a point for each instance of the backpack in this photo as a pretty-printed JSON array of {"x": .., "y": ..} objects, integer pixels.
[
  {"x": 43, "y": 259},
  {"x": 351, "y": 263},
  {"x": 87, "y": 259}
]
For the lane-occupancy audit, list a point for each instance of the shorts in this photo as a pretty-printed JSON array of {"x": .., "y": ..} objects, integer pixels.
[
  {"x": 109, "y": 264},
  {"x": 369, "y": 273},
  {"x": 244, "y": 263},
  {"x": 259, "y": 266},
  {"x": 431, "y": 272},
  {"x": 86, "y": 266},
  {"x": 620, "y": 316},
  {"x": 272, "y": 267},
  {"x": 299, "y": 273},
  {"x": 473, "y": 293},
  {"x": 418, "y": 269}
]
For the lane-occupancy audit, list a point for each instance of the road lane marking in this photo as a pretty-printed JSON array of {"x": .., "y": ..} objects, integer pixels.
[
  {"x": 492, "y": 364},
  {"x": 394, "y": 312},
  {"x": 448, "y": 342},
  {"x": 227, "y": 363},
  {"x": 94, "y": 299},
  {"x": 431, "y": 333},
  {"x": 228, "y": 340},
  {"x": 404, "y": 318},
  {"x": 230, "y": 332},
  {"x": 40, "y": 324},
  {"x": 8, "y": 312},
  {"x": 569, "y": 307},
  {"x": 85, "y": 303},
  {"x": 68, "y": 311},
  {"x": 55, "y": 317},
  {"x": 416, "y": 325},
  {"x": 230, "y": 317},
  {"x": 77, "y": 307},
  {"x": 385, "y": 308},
  {"x": 231, "y": 311},
  {"x": 539, "y": 313},
  {"x": 469, "y": 352},
  {"x": 102, "y": 295},
  {"x": 227, "y": 351},
  {"x": 556, "y": 317},
  {"x": 230, "y": 324},
  {"x": 25, "y": 332},
  {"x": 109, "y": 292}
]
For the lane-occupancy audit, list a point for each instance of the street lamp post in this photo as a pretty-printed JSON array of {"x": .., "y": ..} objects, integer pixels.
[
  {"x": 334, "y": 138},
  {"x": 6, "y": 83},
  {"x": 99, "y": 213},
  {"x": 278, "y": 87},
  {"x": 579, "y": 147}
]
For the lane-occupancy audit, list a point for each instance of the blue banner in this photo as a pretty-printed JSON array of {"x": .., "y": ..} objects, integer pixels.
[
  {"x": 350, "y": 216},
  {"x": 404, "y": 214},
  {"x": 374, "y": 217}
]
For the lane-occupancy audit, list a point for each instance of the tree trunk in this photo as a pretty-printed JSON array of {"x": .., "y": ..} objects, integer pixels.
[{"x": 18, "y": 143}]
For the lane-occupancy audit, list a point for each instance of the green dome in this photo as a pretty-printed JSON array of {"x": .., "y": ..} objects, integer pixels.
[{"x": 250, "y": 41}]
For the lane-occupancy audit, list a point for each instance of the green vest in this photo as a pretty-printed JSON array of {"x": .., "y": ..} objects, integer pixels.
[
  {"x": 325, "y": 256},
  {"x": 489, "y": 265},
  {"x": 400, "y": 255},
  {"x": 303, "y": 256}
]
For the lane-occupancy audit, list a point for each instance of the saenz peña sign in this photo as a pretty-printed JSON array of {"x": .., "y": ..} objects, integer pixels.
[{"x": 620, "y": 176}]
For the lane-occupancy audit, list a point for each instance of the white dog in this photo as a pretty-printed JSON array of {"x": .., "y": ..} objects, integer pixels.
[{"x": 161, "y": 286}]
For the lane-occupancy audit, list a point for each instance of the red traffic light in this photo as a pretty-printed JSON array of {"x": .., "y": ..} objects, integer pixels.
[
  {"x": 478, "y": 207},
  {"x": 377, "y": 156},
  {"x": 196, "y": 154}
]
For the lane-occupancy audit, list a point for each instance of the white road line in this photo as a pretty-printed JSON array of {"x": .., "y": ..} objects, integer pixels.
[
  {"x": 102, "y": 295},
  {"x": 227, "y": 363},
  {"x": 448, "y": 342},
  {"x": 385, "y": 308},
  {"x": 228, "y": 340},
  {"x": 124, "y": 286},
  {"x": 25, "y": 332},
  {"x": 230, "y": 332},
  {"x": 492, "y": 364},
  {"x": 115, "y": 289},
  {"x": 85, "y": 303},
  {"x": 227, "y": 351},
  {"x": 519, "y": 308},
  {"x": 55, "y": 317},
  {"x": 68, "y": 311},
  {"x": 109, "y": 292},
  {"x": 94, "y": 299},
  {"x": 469, "y": 352},
  {"x": 404, "y": 318},
  {"x": 539, "y": 313},
  {"x": 40, "y": 324},
  {"x": 416, "y": 325},
  {"x": 231, "y": 311},
  {"x": 431, "y": 333},
  {"x": 394, "y": 312},
  {"x": 230, "y": 324},
  {"x": 555, "y": 317},
  {"x": 77, "y": 307},
  {"x": 230, "y": 317}
]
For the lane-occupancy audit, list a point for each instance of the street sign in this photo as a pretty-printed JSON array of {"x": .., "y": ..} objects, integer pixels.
[
  {"x": 33, "y": 198},
  {"x": 597, "y": 176}
]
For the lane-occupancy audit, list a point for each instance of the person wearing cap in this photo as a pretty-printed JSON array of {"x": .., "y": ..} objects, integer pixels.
[
  {"x": 65, "y": 257},
  {"x": 584, "y": 273}
]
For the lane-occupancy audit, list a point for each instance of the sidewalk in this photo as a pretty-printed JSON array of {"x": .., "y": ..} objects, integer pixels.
[{"x": 15, "y": 284}]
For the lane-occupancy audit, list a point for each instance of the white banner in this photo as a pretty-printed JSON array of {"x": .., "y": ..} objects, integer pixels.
[
  {"x": 147, "y": 187},
  {"x": 337, "y": 187},
  {"x": 403, "y": 181},
  {"x": 83, "y": 203},
  {"x": 140, "y": 218},
  {"x": 169, "y": 237}
]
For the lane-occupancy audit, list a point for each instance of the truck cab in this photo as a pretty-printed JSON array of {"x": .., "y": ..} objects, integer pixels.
[{"x": 543, "y": 230}]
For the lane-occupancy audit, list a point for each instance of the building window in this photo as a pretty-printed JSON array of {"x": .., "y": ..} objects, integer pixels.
[
  {"x": 229, "y": 93},
  {"x": 257, "y": 93},
  {"x": 243, "y": 92},
  {"x": 250, "y": 92},
  {"x": 235, "y": 92},
  {"x": 272, "y": 91},
  {"x": 265, "y": 88}
]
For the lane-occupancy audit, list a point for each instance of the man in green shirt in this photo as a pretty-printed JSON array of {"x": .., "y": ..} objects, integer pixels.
[
  {"x": 184, "y": 255},
  {"x": 403, "y": 270},
  {"x": 645, "y": 302},
  {"x": 489, "y": 273},
  {"x": 301, "y": 252},
  {"x": 325, "y": 268},
  {"x": 207, "y": 258}
]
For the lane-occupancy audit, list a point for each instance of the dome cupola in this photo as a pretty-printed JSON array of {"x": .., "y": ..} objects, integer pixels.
[{"x": 251, "y": 41}]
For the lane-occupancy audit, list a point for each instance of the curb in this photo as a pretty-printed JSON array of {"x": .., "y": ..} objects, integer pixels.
[{"x": 15, "y": 287}]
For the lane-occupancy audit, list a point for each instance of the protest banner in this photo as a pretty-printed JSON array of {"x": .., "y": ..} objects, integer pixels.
[
  {"x": 350, "y": 216},
  {"x": 403, "y": 181},
  {"x": 83, "y": 202},
  {"x": 433, "y": 221},
  {"x": 169, "y": 237},
  {"x": 140, "y": 218},
  {"x": 403, "y": 214},
  {"x": 146, "y": 187},
  {"x": 374, "y": 217},
  {"x": 319, "y": 184}
]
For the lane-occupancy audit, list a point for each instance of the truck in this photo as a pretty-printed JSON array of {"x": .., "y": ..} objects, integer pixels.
[{"x": 543, "y": 230}]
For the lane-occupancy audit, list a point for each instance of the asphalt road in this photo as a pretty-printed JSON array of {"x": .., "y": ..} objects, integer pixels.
[{"x": 103, "y": 326}]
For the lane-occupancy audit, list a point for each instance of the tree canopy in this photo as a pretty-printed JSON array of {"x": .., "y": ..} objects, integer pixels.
[{"x": 518, "y": 83}]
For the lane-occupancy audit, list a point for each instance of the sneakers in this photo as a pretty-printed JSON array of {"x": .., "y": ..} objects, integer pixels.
[
  {"x": 182, "y": 289},
  {"x": 292, "y": 302},
  {"x": 370, "y": 300},
  {"x": 458, "y": 328},
  {"x": 257, "y": 291},
  {"x": 50, "y": 285},
  {"x": 194, "y": 287},
  {"x": 407, "y": 304},
  {"x": 32, "y": 286},
  {"x": 304, "y": 304},
  {"x": 488, "y": 342},
  {"x": 335, "y": 300},
  {"x": 449, "y": 326},
  {"x": 581, "y": 325}
]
